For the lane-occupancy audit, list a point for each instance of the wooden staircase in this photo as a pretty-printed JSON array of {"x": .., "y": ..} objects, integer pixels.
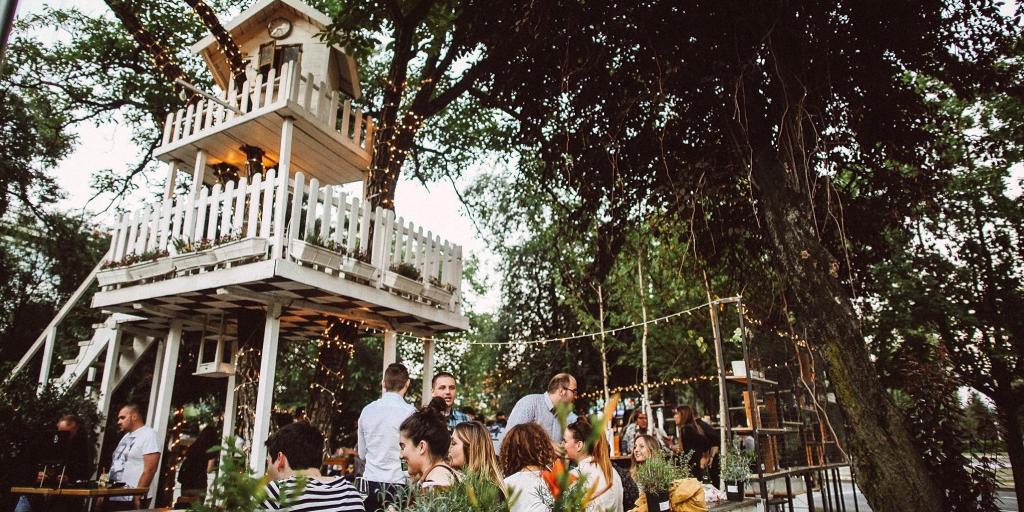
[{"x": 130, "y": 352}]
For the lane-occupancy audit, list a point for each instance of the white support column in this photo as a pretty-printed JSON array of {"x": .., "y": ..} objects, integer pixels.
[
  {"x": 199, "y": 173},
  {"x": 265, "y": 389},
  {"x": 107, "y": 386},
  {"x": 428, "y": 369},
  {"x": 154, "y": 386},
  {"x": 390, "y": 349},
  {"x": 283, "y": 173},
  {"x": 44, "y": 369},
  {"x": 161, "y": 410},
  {"x": 172, "y": 176},
  {"x": 229, "y": 396}
]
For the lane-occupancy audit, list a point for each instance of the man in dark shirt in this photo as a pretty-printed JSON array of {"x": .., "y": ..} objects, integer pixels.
[{"x": 78, "y": 467}]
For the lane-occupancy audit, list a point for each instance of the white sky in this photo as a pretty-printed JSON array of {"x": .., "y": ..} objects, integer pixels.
[{"x": 436, "y": 208}]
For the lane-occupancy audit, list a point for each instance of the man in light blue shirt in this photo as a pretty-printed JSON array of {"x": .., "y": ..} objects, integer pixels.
[
  {"x": 378, "y": 438},
  {"x": 540, "y": 408}
]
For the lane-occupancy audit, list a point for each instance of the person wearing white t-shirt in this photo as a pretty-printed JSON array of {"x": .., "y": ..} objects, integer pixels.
[{"x": 135, "y": 459}]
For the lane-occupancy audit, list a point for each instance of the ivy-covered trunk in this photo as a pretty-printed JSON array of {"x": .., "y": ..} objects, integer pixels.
[
  {"x": 1009, "y": 412},
  {"x": 247, "y": 372},
  {"x": 324, "y": 407},
  {"x": 892, "y": 474}
]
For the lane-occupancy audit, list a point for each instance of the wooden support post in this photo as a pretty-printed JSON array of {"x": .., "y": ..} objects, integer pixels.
[
  {"x": 161, "y": 410},
  {"x": 44, "y": 369},
  {"x": 107, "y": 386},
  {"x": 390, "y": 349},
  {"x": 281, "y": 201},
  {"x": 199, "y": 173},
  {"x": 154, "y": 386},
  {"x": 265, "y": 389},
  {"x": 428, "y": 369},
  {"x": 229, "y": 402},
  {"x": 172, "y": 176}
]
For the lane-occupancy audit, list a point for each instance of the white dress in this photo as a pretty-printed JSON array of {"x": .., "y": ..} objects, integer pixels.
[
  {"x": 610, "y": 499},
  {"x": 527, "y": 487}
]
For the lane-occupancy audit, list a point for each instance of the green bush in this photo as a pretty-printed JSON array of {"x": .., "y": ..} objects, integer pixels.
[{"x": 23, "y": 414}]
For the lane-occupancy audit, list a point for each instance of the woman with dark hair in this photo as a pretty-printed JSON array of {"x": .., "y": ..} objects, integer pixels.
[
  {"x": 423, "y": 440},
  {"x": 693, "y": 438},
  {"x": 526, "y": 451},
  {"x": 198, "y": 463},
  {"x": 591, "y": 455},
  {"x": 472, "y": 450}
]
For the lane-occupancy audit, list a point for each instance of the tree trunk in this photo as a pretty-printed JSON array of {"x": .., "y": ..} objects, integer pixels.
[
  {"x": 323, "y": 407},
  {"x": 892, "y": 474},
  {"x": 1009, "y": 418},
  {"x": 247, "y": 372}
]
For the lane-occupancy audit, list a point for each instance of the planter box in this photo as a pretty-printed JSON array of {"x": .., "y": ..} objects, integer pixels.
[
  {"x": 214, "y": 370},
  {"x": 401, "y": 283},
  {"x": 151, "y": 269},
  {"x": 241, "y": 249},
  {"x": 437, "y": 294},
  {"x": 356, "y": 268},
  {"x": 192, "y": 260},
  {"x": 113, "y": 276},
  {"x": 314, "y": 254}
]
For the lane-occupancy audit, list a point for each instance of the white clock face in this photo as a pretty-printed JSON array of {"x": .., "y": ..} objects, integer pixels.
[{"x": 279, "y": 27}]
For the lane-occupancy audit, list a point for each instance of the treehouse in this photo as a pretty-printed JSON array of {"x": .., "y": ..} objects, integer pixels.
[{"x": 273, "y": 221}]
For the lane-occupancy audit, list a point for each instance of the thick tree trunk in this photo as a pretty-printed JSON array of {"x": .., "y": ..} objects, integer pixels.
[
  {"x": 890, "y": 469},
  {"x": 1009, "y": 418},
  {"x": 247, "y": 372},
  {"x": 323, "y": 407}
]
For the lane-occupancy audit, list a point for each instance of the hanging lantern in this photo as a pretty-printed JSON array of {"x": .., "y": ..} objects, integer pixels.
[
  {"x": 253, "y": 160},
  {"x": 222, "y": 364},
  {"x": 225, "y": 172}
]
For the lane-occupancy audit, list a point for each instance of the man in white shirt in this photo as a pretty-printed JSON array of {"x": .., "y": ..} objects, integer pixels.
[
  {"x": 135, "y": 459},
  {"x": 378, "y": 438}
]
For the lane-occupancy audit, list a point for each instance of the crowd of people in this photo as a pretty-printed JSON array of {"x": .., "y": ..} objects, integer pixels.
[{"x": 407, "y": 450}]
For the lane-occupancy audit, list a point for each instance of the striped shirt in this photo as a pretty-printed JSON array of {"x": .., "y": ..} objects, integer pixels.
[{"x": 317, "y": 495}]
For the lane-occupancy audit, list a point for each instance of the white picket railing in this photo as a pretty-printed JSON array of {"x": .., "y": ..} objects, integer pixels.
[
  {"x": 250, "y": 209},
  {"x": 261, "y": 95}
]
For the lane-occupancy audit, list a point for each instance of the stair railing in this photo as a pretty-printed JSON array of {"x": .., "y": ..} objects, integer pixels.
[{"x": 49, "y": 335}]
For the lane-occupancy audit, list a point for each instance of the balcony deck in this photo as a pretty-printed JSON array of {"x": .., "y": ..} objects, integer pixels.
[
  {"x": 331, "y": 141},
  {"x": 263, "y": 242}
]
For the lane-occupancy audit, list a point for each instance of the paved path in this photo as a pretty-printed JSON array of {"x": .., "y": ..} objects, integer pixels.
[{"x": 1007, "y": 501}]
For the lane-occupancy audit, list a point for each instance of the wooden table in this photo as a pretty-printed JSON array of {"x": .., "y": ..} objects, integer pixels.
[
  {"x": 85, "y": 494},
  {"x": 747, "y": 505}
]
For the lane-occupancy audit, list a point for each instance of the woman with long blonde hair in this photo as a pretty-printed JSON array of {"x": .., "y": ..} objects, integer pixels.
[{"x": 472, "y": 450}]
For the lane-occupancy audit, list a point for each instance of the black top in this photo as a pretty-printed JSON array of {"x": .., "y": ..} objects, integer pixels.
[
  {"x": 630, "y": 491},
  {"x": 79, "y": 457}
]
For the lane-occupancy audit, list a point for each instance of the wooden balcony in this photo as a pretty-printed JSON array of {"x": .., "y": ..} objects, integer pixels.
[
  {"x": 313, "y": 249},
  {"x": 331, "y": 141}
]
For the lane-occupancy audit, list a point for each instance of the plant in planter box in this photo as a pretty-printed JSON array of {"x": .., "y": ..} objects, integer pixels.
[
  {"x": 655, "y": 477},
  {"x": 315, "y": 250},
  {"x": 735, "y": 472},
  {"x": 407, "y": 270}
]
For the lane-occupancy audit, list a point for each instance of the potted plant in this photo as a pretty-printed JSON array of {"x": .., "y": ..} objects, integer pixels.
[
  {"x": 317, "y": 251},
  {"x": 192, "y": 254},
  {"x": 735, "y": 472},
  {"x": 404, "y": 277},
  {"x": 655, "y": 477},
  {"x": 437, "y": 291},
  {"x": 152, "y": 264},
  {"x": 357, "y": 264},
  {"x": 236, "y": 247}
]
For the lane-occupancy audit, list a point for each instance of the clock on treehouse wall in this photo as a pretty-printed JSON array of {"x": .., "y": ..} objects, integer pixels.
[{"x": 279, "y": 28}]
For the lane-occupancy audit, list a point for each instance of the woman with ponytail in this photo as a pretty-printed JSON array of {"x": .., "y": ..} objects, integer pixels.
[
  {"x": 423, "y": 440},
  {"x": 594, "y": 462}
]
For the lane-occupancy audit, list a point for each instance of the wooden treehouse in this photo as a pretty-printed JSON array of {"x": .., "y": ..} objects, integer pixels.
[{"x": 266, "y": 225}]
